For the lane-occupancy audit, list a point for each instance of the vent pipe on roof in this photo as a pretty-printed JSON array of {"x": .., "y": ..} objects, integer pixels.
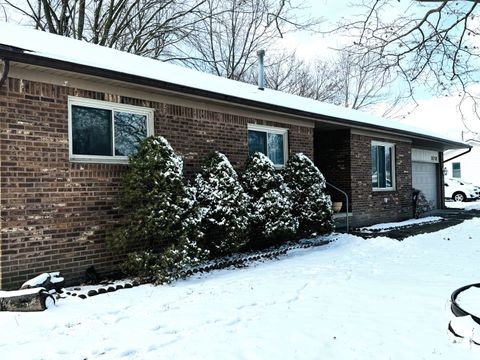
[
  {"x": 261, "y": 73},
  {"x": 4, "y": 74}
]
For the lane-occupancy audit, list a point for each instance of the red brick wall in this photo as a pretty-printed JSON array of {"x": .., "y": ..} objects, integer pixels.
[
  {"x": 345, "y": 161},
  {"x": 193, "y": 133},
  {"x": 55, "y": 213},
  {"x": 369, "y": 206}
]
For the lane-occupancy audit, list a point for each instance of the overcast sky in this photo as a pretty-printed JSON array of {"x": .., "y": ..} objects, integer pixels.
[{"x": 440, "y": 114}]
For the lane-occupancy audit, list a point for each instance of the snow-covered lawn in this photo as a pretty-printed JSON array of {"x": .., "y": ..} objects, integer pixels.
[{"x": 351, "y": 299}]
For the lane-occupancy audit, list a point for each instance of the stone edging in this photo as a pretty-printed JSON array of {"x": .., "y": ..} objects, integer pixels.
[{"x": 236, "y": 260}]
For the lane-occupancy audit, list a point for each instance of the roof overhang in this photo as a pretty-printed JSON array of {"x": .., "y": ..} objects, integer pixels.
[{"x": 19, "y": 55}]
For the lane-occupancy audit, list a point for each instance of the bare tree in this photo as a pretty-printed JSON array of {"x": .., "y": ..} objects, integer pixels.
[
  {"x": 433, "y": 44},
  {"x": 365, "y": 84},
  {"x": 286, "y": 72},
  {"x": 345, "y": 79},
  {"x": 144, "y": 27},
  {"x": 226, "y": 40}
]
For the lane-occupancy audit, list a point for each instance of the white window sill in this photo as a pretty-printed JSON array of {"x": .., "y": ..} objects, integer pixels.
[{"x": 99, "y": 160}]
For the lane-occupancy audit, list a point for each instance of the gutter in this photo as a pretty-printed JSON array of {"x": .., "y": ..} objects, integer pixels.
[{"x": 6, "y": 68}]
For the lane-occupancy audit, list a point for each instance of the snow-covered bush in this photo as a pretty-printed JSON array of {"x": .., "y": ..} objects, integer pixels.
[
  {"x": 166, "y": 266},
  {"x": 310, "y": 204},
  {"x": 141, "y": 264},
  {"x": 223, "y": 206},
  {"x": 159, "y": 209},
  {"x": 271, "y": 220}
]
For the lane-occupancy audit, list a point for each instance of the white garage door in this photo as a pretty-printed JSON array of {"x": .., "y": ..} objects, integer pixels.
[{"x": 424, "y": 178}]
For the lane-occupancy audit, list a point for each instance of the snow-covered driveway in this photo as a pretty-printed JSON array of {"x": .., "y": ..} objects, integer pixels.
[{"x": 352, "y": 299}]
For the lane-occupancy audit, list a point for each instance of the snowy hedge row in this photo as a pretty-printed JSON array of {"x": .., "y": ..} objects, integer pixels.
[{"x": 175, "y": 225}]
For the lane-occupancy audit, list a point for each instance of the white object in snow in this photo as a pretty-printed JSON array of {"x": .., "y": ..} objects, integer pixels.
[{"x": 43, "y": 280}]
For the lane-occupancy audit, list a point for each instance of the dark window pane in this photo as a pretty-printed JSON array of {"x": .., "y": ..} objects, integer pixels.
[
  {"x": 374, "y": 167},
  {"x": 456, "y": 170},
  {"x": 381, "y": 166},
  {"x": 130, "y": 131},
  {"x": 388, "y": 167},
  {"x": 275, "y": 148},
  {"x": 91, "y": 131},
  {"x": 257, "y": 141}
]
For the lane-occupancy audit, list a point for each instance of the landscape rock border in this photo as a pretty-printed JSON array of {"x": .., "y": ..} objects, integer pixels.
[{"x": 240, "y": 260}]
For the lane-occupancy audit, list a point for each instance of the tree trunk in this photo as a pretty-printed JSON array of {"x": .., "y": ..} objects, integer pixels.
[{"x": 25, "y": 300}]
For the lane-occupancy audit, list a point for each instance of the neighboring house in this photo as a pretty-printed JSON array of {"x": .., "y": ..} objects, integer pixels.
[
  {"x": 72, "y": 112},
  {"x": 466, "y": 166}
]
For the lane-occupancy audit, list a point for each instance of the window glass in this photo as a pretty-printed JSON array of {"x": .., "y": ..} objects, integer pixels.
[
  {"x": 101, "y": 130},
  {"x": 91, "y": 131},
  {"x": 130, "y": 130},
  {"x": 275, "y": 148},
  {"x": 388, "y": 167},
  {"x": 270, "y": 143},
  {"x": 456, "y": 170},
  {"x": 382, "y": 166},
  {"x": 257, "y": 142},
  {"x": 374, "y": 167}
]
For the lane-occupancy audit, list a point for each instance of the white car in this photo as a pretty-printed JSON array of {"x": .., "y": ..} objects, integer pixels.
[{"x": 459, "y": 190}]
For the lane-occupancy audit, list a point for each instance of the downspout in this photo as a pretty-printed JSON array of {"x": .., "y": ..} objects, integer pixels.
[{"x": 6, "y": 68}]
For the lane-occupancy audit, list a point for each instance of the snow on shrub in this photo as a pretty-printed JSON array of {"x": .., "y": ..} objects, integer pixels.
[
  {"x": 159, "y": 208},
  {"x": 310, "y": 205},
  {"x": 166, "y": 266},
  {"x": 223, "y": 206},
  {"x": 270, "y": 216}
]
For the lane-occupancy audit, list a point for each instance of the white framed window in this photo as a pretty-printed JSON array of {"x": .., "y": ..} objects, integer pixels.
[
  {"x": 101, "y": 131},
  {"x": 383, "y": 166},
  {"x": 269, "y": 140},
  {"x": 456, "y": 170}
]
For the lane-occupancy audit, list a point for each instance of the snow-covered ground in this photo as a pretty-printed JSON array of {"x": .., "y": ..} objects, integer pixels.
[
  {"x": 351, "y": 299},
  {"x": 474, "y": 205},
  {"x": 387, "y": 226}
]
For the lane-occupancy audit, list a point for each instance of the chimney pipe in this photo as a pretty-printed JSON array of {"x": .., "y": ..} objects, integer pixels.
[{"x": 261, "y": 80}]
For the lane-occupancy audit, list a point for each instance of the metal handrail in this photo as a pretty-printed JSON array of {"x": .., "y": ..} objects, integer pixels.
[{"x": 346, "y": 199}]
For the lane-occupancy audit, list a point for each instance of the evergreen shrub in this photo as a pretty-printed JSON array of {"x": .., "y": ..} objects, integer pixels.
[
  {"x": 311, "y": 206},
  {"x": 223, "y": 206},
  {"x": 271, "y": 220},
  {"x": 161, "y": 218}
]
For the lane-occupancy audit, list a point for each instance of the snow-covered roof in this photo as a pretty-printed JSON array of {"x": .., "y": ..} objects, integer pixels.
[{"x": 73, "y": 51}]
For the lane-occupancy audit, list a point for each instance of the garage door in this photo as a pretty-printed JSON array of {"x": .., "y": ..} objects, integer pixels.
[{"x": 424, "y": 178}]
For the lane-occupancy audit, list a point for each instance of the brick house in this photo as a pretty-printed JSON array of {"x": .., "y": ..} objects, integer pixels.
[{"x": 71, "y": 112}]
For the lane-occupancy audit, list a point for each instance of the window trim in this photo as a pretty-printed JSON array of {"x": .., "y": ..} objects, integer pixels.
[
  {"x": 394, "y": 183},
  {"x": 272, "y": 130},
  {"x": 104, "y": 105},
  {"x": 459, "y": 170}
]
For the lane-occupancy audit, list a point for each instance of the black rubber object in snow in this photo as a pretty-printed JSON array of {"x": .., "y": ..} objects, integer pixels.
[{"x": 456, "y": 309}]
